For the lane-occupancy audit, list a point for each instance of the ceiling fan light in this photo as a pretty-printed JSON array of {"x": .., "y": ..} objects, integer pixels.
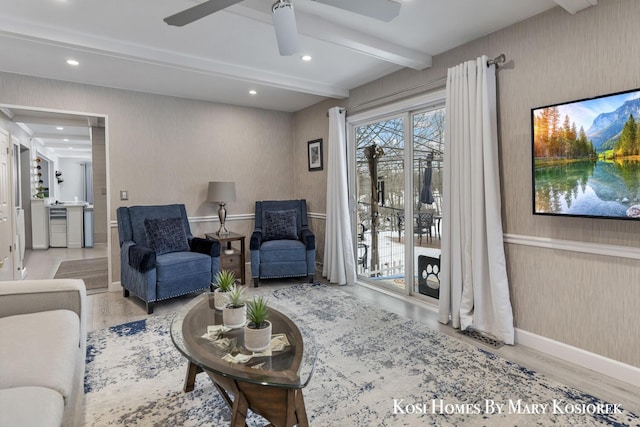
[{"x": 284, "y": 22}]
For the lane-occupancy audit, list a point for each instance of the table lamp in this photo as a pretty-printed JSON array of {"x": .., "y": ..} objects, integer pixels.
[{"x": 221, "y": 193}]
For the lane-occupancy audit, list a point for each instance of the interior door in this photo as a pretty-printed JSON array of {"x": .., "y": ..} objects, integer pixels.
[{"x": 6, "y": 207}]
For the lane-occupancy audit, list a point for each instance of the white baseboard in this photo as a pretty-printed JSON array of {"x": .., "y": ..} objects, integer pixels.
[
  {"x": 595, "y": 362},
  {"x": 115, "y": 287}
]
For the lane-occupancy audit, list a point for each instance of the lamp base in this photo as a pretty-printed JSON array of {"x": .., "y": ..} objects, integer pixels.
[{"x": 222, "y": 216}]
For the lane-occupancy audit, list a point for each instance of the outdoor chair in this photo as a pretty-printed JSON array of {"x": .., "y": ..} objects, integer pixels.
[
  {"x": 363, "y": 248},
  {"x": 159, "y": 258},
  {"x": 424, "y": 224},
  {"x": 400, "y": 223}
]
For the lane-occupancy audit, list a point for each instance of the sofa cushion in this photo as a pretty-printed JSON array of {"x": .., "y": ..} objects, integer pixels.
[
  {"x": 31, "y": 407},
  {"x": 166, "y": 235},
  {"x": 280, "y": 225},
  {"x": 40, "y": 349}
]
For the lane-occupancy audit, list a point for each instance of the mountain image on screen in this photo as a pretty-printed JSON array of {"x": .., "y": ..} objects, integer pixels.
[
  {"x": 586, "y": 157},
  {"x": 605, "y": 131}
]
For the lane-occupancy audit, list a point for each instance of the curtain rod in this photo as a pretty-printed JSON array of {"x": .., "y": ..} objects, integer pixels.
[{"x": 500, "y": 59}]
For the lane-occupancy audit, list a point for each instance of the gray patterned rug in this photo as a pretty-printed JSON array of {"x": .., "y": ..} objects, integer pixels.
[{"x": 374, "y": 368}]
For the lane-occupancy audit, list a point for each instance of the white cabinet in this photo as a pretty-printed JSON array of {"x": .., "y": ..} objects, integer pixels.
[
  {"x": 57, "y": 227},
  {"x": 39, "y": 224},
  {"x": 74, "y": 226}
]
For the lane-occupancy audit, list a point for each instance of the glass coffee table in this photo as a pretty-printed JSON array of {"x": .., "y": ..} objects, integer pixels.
[{"x": 268, "y": 384}]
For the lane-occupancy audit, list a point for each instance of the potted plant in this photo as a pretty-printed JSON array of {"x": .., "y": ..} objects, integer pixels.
[
  {"x": 224, "y": 281},
  {"x": 257, "y": 332},
  {"x": 234, "y": 314}
]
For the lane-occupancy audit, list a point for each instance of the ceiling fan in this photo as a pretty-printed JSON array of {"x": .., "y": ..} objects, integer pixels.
[{"x": 284, "y": 20}]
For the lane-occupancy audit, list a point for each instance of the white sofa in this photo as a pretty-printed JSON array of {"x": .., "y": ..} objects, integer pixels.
[{"x": 42, "y": 352}]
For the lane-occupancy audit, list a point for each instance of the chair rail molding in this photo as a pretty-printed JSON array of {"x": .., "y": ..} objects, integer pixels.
[{"x": 573, "y": 246}]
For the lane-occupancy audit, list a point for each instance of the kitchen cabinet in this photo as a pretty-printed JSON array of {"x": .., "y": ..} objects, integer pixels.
[{"x": 58, "y": 227}]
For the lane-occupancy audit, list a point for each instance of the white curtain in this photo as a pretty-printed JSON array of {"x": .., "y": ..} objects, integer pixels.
[
  {"x": 474, "y": 290},
  {"x": 339, "y": 261}
]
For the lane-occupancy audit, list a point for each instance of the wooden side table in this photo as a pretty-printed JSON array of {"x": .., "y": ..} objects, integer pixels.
[{"x": 234, "y": 259}]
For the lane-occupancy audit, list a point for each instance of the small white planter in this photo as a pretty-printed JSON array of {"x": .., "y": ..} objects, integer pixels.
[
  {"x": 234, "y": 317},
  {"x": 257, "y": 339},
  {"x": 220, "y": 299}
]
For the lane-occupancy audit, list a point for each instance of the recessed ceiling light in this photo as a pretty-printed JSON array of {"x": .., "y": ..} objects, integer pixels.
[
  {"x": 73, "y": 62},
  {"x": 306, "y": 58},
  {"x": 253, "y": 92},
  {"x": 66, "y": 140},
  {"x": 59, "y": 128}
]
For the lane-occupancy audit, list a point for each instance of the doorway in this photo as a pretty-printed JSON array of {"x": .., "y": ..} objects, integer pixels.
[
  {"x": 398, "y": 190},
  {"x": 62, "y": 162}
]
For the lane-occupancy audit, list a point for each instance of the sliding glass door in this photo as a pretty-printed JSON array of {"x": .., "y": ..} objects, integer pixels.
[
  {"x": 398, "y": 192},
  {"x": 380, "y": 200},
  {"x": 428, "y": 139}
]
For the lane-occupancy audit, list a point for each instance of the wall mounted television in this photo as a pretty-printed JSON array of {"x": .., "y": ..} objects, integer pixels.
[{"x": 586, "y": 157}]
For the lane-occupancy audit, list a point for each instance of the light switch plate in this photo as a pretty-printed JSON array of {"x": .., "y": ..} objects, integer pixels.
[{"x": 124, "y": 195}]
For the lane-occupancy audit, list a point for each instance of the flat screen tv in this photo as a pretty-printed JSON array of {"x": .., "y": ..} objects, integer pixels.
[{"x": 586, "y": 157}]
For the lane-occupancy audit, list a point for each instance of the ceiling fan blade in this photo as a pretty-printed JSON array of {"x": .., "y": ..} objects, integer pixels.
[
  {"x": 382, "y": 10},
  {"x": 200, "y": 11},
  {"x": 284, "y": 23}
]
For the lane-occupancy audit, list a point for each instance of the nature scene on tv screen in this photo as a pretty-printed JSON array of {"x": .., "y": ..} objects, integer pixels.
[{"x": 587, "y": 157}]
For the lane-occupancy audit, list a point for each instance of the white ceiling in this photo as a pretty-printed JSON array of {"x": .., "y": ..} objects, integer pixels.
[
  {"x": 61, "y": 135},
  {"x": 126, "y": 44}
]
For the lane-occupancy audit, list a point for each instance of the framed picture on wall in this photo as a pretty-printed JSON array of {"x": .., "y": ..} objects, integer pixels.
[{"x": 315, "y": 154}]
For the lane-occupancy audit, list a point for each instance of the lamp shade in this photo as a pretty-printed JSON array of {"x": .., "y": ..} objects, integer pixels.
[{"x": 221, "y": 192}]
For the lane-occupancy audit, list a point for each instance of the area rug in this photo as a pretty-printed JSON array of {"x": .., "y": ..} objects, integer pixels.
[
  {"x": 93, "y": 271},
  {"x": 374, "y": 368}
]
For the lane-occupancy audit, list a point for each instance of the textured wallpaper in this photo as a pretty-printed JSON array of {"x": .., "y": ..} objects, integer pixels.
[
  {"x": 584, "y": 300},
  {"x": 165, "y": 150}
]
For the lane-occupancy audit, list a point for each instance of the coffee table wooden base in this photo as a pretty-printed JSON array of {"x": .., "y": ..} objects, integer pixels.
[{"x": 282, "y": 407}]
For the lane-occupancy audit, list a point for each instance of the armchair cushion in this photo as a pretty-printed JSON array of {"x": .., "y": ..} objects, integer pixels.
[
  {"x": 282, "y": 251},
  {"x": 166, "y": 235},
  {"x": 141, "y": 258},
  {"x": 280, "y": 225},
  {"x": 178, "y": 265}
]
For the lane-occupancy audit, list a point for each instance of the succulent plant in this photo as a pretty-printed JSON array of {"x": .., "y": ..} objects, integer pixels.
[
  {"x": 257, "y": 312},
  {"x": 235, "y": 297},
  {"x": 225, "y": 280}
]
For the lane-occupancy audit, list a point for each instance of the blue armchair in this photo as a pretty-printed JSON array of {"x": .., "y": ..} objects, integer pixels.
[
  {"x": 159, "y": 258},
  {"x": 282, "y": 245}
]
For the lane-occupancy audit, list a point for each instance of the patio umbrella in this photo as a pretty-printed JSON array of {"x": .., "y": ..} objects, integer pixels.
[{"x": 426, "y": 195}]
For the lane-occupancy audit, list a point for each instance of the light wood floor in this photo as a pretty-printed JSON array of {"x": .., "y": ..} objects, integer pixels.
[{"x": 111, "y": 308}]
